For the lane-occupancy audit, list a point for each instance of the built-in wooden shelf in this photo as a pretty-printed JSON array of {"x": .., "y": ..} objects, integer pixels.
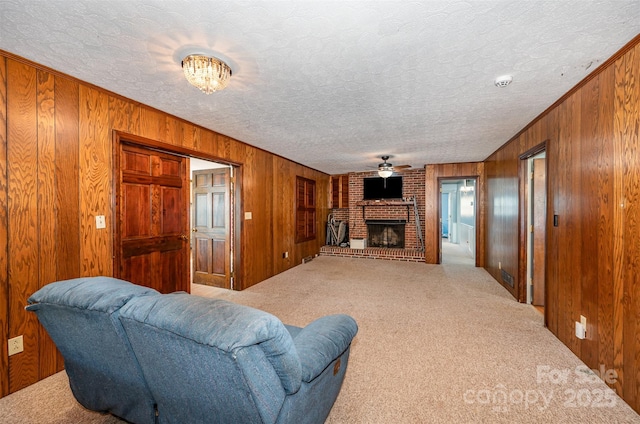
[{"x": 339, "y": 195}]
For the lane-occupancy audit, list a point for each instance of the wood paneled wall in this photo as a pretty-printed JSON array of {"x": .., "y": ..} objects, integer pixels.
[
  {"x": 434, "y": 174},
  {"x": 56, "y": 176},
  {"x": 593, "y": 255}
]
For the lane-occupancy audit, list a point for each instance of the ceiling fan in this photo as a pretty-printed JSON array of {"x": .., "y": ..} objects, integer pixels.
[{"x": 386, "y": 169}]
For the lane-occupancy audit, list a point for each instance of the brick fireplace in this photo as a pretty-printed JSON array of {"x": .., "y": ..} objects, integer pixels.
[
  {"x": 363, "y": 213},
  {"x": 384, "y": 233}
]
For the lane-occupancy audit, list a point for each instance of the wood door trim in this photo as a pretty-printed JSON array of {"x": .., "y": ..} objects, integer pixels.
[
  {"x": 534, "y": 150},
  {"x": 523, "y": 184},
  {"x": 120, "y": 137},
  {"x": 476, "y": 178}
]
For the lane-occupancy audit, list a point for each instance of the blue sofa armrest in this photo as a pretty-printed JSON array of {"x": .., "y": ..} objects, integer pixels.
[{"x": 322, "y": 341}]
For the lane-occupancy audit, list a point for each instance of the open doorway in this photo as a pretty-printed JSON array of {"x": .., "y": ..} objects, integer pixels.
[
  {"x": 212, "y": 225},
  {"x": 156, "y": 218},
  {"x": 536, "y": 201},
  {"x": 457, "y": 221}
]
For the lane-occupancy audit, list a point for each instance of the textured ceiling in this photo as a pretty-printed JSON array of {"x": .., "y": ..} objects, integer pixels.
[{"x": 335, "y": 84}]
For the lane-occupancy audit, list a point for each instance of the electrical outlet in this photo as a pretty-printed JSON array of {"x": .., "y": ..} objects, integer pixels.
[
  {"x": 583, "y": 321},
  {"x": 499, "y": 265},
  {"x": 16, "y": 345},
  {"x": 581, "y": 332},
  {"x": 100, "y": 222},
  {"x": 285, "y": 255}
]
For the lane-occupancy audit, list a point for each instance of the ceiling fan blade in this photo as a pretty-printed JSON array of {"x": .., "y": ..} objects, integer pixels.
[{"x": 400, "y": 167}]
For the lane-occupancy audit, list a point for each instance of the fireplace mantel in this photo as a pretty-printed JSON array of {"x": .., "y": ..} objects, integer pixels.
[{"x": 382, "y": 202}]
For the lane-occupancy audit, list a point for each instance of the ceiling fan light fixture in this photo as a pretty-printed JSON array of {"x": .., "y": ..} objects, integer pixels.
[
  {"x": 385, "y": 173},
  {"x": 385, "y": 169},
  {"x": 209, "y": 74}
]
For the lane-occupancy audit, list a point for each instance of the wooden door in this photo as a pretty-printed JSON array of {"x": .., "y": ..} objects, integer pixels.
[
  {"x": 539, "y": 230},
  {"x": 152, "y": 192},
  {"x": 211, "y": 227}
]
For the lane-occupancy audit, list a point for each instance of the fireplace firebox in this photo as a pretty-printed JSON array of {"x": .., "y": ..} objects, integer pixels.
[{"x": 385, "y": 233}]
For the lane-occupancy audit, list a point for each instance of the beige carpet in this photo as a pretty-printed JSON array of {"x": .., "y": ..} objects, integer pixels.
[
  {"x": 456, "y": 253},
  {"x": 437, "y": 344}
]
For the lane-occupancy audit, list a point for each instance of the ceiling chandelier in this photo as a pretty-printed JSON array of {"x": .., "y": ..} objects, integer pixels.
[{"x": 209, "y": 74}]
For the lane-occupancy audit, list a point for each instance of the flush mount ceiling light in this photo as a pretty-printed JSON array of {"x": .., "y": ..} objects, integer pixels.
[
  {"x": 503, "y": 81},
  {"x": 209, "y": 74}
]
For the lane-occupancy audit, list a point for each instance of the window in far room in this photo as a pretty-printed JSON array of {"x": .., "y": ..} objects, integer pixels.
[{"x": 305, "y": 209}]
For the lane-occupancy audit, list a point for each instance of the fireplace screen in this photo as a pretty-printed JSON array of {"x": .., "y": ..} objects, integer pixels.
[{"x": 385, "y": 234}]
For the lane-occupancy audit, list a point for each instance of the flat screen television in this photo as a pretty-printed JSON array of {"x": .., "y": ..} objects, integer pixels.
[{"x": 376, "y": 188}]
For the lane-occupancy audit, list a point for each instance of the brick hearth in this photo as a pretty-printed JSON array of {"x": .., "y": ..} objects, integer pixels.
[{"x": 407, "y": 255}]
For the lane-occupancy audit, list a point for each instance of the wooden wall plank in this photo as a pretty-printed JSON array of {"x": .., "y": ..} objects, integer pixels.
[
  {"x": 67, "y": 173},
  {"x": 153, "y": 124},
  {"x": 46, "y": 180},
  {"x": 260, "y": 204},
  {"x": 22, "y": 155},
  {"x": 575, "y": 216},
  {"x": 589, "y": 171},
  {"x": 502, "y": 216},
  {"x": 606, "y": 205},
  {"x": 618, "y": 223},
  {"x": 4, "y": 277},
  {"x": 553, "y": 236},
  {"x": 481, "y": 210},
  {"x": 631, "y": 195},
  {"x": 124, "y": 116},
  {"x": 283, "y": 219},
  {"x": 431, "y": 225},
  {"x": 95, "y": 182}
]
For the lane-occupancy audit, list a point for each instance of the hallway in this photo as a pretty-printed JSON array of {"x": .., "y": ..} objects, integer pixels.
[{"x": 453, "y": 253}]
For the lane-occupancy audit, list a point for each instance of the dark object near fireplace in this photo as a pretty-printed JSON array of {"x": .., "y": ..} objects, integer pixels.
[
  {"x": 385, "y": 233},
  {"x": 377, "y": 188}
]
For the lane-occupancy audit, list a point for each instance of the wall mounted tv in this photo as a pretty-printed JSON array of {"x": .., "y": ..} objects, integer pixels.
[{"x": 376, "y": 188}]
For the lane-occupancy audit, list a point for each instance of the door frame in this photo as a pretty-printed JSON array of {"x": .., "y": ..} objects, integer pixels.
[
  {"x": 522, "y": 228},
  {"x": 440, "y": 180},
  {"x": 442, "y": 218},
  {"x": 229, "y": 172},
  {"x": 120, "y": 137}
]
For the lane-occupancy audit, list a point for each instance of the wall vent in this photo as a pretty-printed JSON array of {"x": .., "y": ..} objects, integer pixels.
[{"x": 507, "y": 278}]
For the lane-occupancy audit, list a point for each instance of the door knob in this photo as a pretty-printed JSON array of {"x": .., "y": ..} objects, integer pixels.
[
  {"x": 194, "y": 230},
  {"x": 184, "y": 237}
]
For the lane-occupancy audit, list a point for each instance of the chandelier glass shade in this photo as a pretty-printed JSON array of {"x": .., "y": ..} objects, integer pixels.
[
  {"x": 209, "y": 74},
  {"x": 385, "y": 169},
  {"x": 385, "y": 172}
]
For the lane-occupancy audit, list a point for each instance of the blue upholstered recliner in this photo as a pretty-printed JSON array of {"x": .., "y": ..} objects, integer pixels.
[
  {"x": 81, "y": 316},
  {"x": 208, "y": 360}
]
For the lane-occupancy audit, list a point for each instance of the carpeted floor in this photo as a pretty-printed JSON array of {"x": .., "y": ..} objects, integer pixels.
[
  {"x": 455, "y": 253},
  {"x": 436, "y": 344}
]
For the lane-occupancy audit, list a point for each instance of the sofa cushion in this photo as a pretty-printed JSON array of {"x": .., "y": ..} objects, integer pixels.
[
  {"x": 322, "y": 341},
  {"x": 80, "y": 315},
  {"x": 224, "y": 325},
  {"x": 104, "y": 294}
]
